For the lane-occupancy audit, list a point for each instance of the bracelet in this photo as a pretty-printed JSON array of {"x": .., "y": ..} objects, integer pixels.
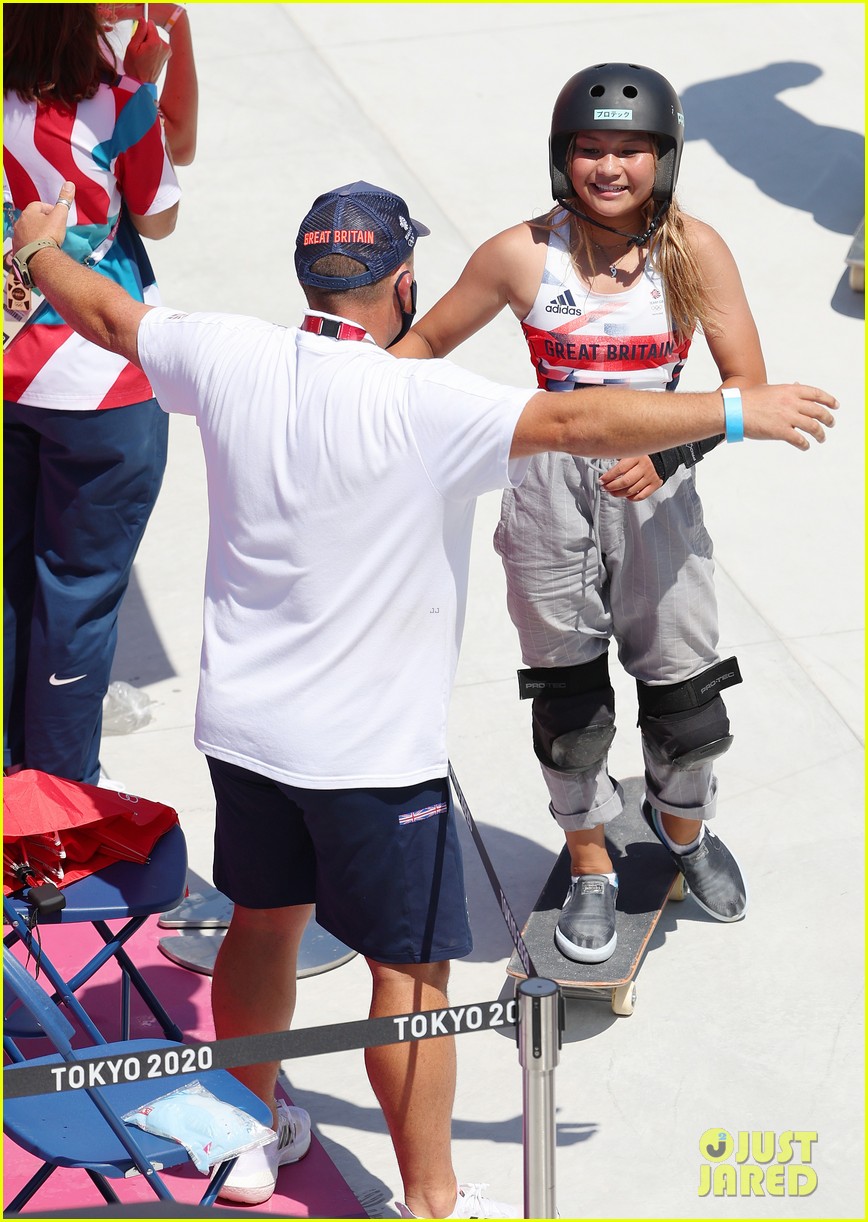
[
  {"x": 733, "y": 414},
  {"x": 177, "y": 12}
]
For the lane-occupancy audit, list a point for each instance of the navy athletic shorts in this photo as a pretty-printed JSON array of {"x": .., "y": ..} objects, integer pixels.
[{"x": 383, "y": 866}]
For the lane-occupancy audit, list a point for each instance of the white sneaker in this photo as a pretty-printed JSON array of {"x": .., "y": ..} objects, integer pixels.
[
  {"x": 254, "y": 1176},
  {"x": 471, "y": 1203},
  {"x": 105, "y": 782}
]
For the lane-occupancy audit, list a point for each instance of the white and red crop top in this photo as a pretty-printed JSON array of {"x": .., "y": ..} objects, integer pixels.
[{"x": 579, "y": 337}]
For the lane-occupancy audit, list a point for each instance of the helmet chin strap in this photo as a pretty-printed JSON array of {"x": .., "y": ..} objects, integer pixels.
[{"x": 635, "y": 239}]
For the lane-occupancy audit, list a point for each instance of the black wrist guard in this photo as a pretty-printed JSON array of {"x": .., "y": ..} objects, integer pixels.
[{"x": 667, "y": 462}]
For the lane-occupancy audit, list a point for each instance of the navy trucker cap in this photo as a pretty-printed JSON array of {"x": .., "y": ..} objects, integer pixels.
[{"x": 367, "y": 223}]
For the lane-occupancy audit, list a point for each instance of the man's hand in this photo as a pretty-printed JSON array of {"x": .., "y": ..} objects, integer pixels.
[
  {"x": 94, "y": 306},
  {"x": 40, "y": 220},
  {"x": 633, "y": 478},
  {"x": 786, "y": 413}
]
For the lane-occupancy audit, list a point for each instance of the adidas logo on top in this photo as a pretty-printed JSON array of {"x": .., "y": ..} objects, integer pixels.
[{"x": 563, "y": 304}]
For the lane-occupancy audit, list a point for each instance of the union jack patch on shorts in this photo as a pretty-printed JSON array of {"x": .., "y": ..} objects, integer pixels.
[{"x": 416, "y": 816}]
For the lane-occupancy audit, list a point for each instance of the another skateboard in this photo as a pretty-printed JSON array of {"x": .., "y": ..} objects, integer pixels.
[
  {"x": 647, "y": 878},
  {"x": 205, "y": 909},
  {"x": 196, "y": 949},
  {"x": 856, "y": 260},
  {"x": 201, "y": 921}
]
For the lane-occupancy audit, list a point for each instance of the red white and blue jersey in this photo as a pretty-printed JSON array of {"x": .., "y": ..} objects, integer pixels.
[
  {"x": 112, "y": 147},
  {"x": 577, "y": 337}
]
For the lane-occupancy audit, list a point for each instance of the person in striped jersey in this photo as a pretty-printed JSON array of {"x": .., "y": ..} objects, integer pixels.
[{"x": 84, "y": 438}]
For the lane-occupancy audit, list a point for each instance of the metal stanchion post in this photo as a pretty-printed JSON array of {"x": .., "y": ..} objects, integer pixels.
[{"x": 539, "y": 1042}]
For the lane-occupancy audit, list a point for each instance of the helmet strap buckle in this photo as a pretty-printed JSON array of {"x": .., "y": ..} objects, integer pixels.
[{"x": 634, "y": 239}]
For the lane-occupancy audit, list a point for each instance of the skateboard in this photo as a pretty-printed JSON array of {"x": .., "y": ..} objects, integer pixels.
[
  {"x": 647, "y": 878},
  {"x": 856, "y": 260},
  {"x": 204, "y": 909},
  {"x": 200, "y": 922}
]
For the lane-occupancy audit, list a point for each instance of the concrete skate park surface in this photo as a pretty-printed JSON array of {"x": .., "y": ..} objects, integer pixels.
[{"x": 749, "y": 1028}]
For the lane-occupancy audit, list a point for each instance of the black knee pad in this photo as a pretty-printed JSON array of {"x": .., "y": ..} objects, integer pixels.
[
  {"x": 685, "y": 724},
  {"x": 573, "y": 714}
]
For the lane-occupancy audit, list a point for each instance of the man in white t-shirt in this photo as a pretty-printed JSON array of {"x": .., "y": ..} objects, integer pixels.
[{"x": 341, "y": 486}]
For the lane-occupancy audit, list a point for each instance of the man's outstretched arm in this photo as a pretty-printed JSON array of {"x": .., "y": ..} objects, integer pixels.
[
  {"x": 598, "y": 421},
  {"x": 594, "y": 421},
  {"x": 93, "y": 306}
]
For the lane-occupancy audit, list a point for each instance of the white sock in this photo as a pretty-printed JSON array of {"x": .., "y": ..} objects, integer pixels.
[{"x": 668, "y": 841}]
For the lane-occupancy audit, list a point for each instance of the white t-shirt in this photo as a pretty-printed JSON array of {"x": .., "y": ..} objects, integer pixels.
[{"x": 341, "y": 486}]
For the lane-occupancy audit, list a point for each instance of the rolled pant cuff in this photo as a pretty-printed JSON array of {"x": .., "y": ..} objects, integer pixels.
[
  {"x": 582, "y": 821},
  {"x": 704, "y": 812}
]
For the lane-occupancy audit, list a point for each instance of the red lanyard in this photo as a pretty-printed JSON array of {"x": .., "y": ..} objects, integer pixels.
[{"x": 332, "y": 328}]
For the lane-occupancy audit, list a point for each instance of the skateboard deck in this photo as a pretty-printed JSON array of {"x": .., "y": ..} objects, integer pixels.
[
  {"x": 647, "y": 878},
  {"x": 856, "y": 260},
  {"x": 196, "y": 949},
  {"x": 204, "y": 909},
  {"x": 200, "y": 922}
]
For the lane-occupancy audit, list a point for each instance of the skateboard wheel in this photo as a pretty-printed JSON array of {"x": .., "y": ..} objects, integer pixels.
[
  {"x": 857, "y": 279},
  {"x": 679, "y": 889},
  {"x": 624, "y": 998}
]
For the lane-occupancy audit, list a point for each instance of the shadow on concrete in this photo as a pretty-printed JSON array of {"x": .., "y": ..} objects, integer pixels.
[
  {"x": 817, "y": 168},
  {"x": 522, "y": 866},
  {"x": 140, "y": 657},
  {"x": 845, "y": 301}
]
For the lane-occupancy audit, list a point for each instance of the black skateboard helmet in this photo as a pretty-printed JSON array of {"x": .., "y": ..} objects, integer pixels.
[{"x": 618, "y": 97}]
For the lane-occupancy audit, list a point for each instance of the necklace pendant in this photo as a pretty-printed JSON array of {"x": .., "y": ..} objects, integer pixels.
[{"x": 613, "y": 271}]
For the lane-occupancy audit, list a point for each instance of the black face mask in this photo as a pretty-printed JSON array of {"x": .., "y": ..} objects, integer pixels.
[{"x": 406, "y": 319}]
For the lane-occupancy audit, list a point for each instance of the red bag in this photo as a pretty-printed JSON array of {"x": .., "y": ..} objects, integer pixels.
[{"x": 64, "y": 830}]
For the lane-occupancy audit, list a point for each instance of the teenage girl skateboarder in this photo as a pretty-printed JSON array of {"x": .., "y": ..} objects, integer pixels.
[{"x": 609, "y": 287}]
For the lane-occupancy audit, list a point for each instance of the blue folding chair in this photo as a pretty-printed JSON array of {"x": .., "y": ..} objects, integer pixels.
[
  {"x": 122, "y": 891},
  {"x": 83, "y": 1128}
]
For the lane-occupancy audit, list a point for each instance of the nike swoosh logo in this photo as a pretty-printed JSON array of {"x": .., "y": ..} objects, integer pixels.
[{"x": 55, "y": 682}]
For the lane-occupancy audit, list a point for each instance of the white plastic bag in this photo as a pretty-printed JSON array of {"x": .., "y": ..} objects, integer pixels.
[
  {"x": 209, "y": 1129},
  {"x": 124, "y": 708}
]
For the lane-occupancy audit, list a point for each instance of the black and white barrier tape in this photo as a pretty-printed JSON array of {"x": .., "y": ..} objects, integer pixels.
[
  {"x": 505, "y": 910},
  {"x": 169, "y": 1060}
]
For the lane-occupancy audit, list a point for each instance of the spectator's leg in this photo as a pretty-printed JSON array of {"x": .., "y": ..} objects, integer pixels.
[{"x": 415, "y": 1085}]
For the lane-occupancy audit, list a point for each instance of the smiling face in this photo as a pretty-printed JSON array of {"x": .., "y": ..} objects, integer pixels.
[{"x": 612, "y": 174}]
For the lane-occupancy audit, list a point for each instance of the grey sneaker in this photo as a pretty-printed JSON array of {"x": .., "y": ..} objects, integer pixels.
[
  {"x": 585, "y": 931},
  {"x": 712, "y": 873}
]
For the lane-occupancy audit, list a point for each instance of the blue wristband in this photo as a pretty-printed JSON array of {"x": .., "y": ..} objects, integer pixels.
[{"x": 733, "y": 414}]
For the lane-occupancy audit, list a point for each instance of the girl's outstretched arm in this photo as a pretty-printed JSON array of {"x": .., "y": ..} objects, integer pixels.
[{"x": 505, "y": 270}]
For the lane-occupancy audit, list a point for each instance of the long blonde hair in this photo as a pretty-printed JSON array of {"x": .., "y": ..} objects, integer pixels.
[{"x": 670, "y": 251}]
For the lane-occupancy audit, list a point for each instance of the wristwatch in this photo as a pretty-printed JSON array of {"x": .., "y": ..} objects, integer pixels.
[{"x": 21, "y": 260}]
